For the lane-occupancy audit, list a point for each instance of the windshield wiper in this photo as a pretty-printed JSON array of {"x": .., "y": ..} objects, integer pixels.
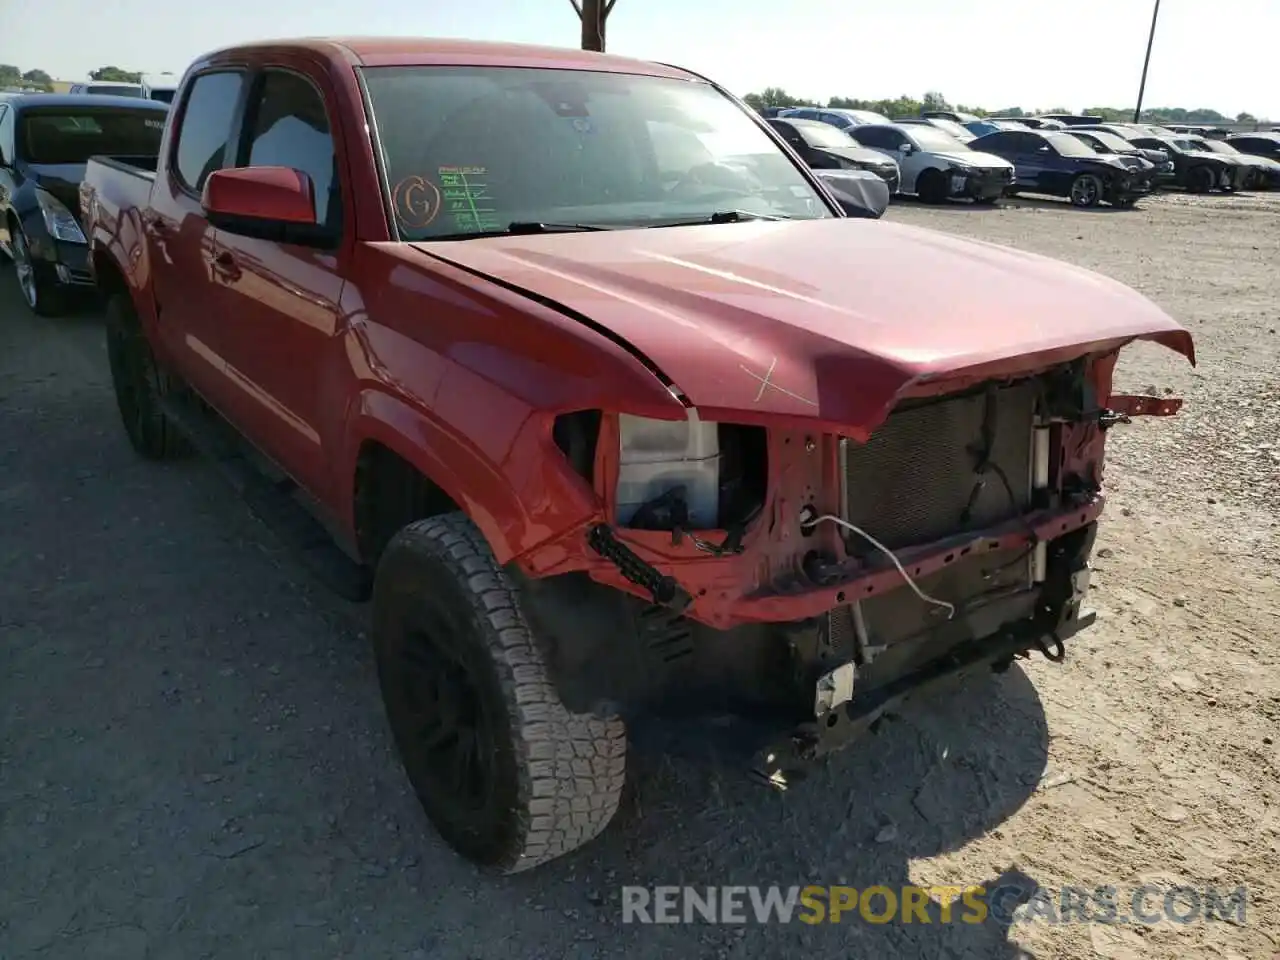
[
  {"x": 542, "y": 226},
  {"x": 721, "y": 216},
  {"x": 518, "y": 228}
]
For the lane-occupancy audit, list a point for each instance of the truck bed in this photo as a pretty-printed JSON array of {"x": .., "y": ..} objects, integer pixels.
[
  {"x": 143, "y": 167},
  {"x": 114, "y": 193}
]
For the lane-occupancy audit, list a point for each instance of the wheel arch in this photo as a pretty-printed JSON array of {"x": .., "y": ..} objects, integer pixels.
[
  {"x": 384, "y": 430},
  {"x": 110, "y": 278}
]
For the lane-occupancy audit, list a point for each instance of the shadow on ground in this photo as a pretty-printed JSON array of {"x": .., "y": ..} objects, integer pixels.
[{"x": 194, "y": 763}]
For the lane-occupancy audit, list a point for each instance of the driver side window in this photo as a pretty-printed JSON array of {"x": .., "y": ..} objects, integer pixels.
[{"x": 289, "y": 128}]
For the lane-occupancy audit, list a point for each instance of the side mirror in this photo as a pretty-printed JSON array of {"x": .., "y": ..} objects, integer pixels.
[
  {"x": 268, "y": 203},
  {"x": 1044, "y": 149},
  {"x": 904, "y": 148}
]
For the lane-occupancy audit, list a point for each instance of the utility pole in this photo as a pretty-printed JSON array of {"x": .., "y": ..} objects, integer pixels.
[
  {"x": 1142, "y": 87},
  {"x": 593, "y": 14}
]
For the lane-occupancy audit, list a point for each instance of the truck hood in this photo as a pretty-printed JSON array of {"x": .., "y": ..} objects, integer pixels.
[{"x": 828, "y": 319}]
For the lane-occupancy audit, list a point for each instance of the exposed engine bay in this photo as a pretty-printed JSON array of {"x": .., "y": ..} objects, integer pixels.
[{"x": 776, "y": 569}]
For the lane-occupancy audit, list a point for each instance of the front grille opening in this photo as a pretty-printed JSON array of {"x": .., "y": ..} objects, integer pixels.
[{"x": 917, "y": 480}]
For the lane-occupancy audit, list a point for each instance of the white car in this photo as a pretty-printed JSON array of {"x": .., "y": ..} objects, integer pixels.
[
  {"x": 935, "y": 165},
  {"x": 108, "y": 88},
  {"x": 159, "y": 86}
]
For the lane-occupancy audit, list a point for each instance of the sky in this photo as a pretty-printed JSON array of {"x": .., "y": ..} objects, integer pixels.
[{"x": 990, "y": 53}]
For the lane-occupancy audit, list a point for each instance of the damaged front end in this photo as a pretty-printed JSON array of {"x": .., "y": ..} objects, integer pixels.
[{"x": 816, "y": 579}]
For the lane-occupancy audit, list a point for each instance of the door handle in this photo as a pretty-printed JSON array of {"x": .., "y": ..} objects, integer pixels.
[
  {"x": 225, "y": 266},
  {"x": 159, "y": 229}
]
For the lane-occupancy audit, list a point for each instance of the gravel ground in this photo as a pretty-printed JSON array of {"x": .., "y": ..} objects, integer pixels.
[{"x": 193, "y": 760}]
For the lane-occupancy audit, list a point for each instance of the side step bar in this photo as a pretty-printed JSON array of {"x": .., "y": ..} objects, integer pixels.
[{"x": 272, "y": 502}]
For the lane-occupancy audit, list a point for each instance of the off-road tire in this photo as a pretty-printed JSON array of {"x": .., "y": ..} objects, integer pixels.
[
  {"x": 931, "y": 186},
  {"x": 139, "y": 384},
  {"x": 1201, "y": 179},
  {"x": 557, "y": 776}
]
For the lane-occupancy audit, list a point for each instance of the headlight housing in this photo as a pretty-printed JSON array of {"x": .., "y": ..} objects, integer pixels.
[
  {"x": 58, "y": 219},
  {"x": 668, "y": 468}
]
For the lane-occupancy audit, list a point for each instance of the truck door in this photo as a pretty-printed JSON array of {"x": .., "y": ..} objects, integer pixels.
[
  {"x": 179, "y": 235},
  {"x": 278, "y": 303}
]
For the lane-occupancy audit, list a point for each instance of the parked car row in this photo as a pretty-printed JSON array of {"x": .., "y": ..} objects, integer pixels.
[{"x": 944, "y": 155}]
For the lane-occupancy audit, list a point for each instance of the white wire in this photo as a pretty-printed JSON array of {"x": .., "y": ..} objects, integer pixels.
[{"x": 951, "y": 607}]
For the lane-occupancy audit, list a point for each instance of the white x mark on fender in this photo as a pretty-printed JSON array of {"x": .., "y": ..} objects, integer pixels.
[{"x": 766, "y": 382}]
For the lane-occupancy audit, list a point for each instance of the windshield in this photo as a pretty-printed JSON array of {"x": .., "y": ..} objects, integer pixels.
[
  {"x": 823, "y": 135},
  {"x": 953, "y": 128},
  {"x": 1182, "y": 143},
  {"x": 1217, "y": 146},
  {"x": 929, "y": 137},
  {"x": 1069, "y": 146},
  {"x": 1111, "y": 141},
  {"x": 62, "y": 135},
  {"x": 473, "y": 149},
  {"x": 114, "y": 90}
]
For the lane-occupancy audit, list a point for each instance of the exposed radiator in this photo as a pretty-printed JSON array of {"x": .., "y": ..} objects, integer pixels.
[{"x": 914, "y": 481}]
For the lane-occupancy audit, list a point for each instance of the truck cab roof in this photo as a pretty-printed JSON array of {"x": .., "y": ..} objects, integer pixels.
[{"x": 433, "y": 51}]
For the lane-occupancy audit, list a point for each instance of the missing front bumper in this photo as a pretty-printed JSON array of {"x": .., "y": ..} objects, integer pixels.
[{"x": 786, "y": 759}]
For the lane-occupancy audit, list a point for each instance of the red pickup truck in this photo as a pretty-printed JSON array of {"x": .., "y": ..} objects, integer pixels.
[{"x": 571, "y": 363}]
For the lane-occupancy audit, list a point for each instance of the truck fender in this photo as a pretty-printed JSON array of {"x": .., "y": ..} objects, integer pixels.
[
  {"x": 477, "y": 486},
  {"x": 116, "y": 269}
]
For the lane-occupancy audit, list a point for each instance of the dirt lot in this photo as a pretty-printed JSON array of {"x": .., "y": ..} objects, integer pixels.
[{"x": 193, "y": 761}]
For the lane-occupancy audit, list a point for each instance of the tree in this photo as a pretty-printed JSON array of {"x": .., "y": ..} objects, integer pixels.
[
  {"x": 593, "y": 14},
  {"x": 115, "y": 74},
  {"x": 1246, "y": 118},
  {"x": 933, "y": 100},
  {"x": 10, "y": 76},
  {"x": 38, "y": 79}
]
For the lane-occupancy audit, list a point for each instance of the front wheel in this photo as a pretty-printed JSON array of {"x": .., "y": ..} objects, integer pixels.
[
  {"x": 1086, "y": 190},
  {"x": 931, "y": 186},
  {"x": 43, "y": 297},
  {"x": 508, "y": 776},
  {"x": 1200, "y": 179}
]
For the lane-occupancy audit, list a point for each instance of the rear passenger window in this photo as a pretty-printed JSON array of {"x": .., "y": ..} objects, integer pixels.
[
  {"x": 205, "y": 127},
  {"x": 288, "y": 127}
]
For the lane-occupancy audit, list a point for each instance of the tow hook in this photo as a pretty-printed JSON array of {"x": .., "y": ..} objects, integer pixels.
[
  {"x": 1109, "y": 418},
  {"x": 1053, "y": 650}
]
